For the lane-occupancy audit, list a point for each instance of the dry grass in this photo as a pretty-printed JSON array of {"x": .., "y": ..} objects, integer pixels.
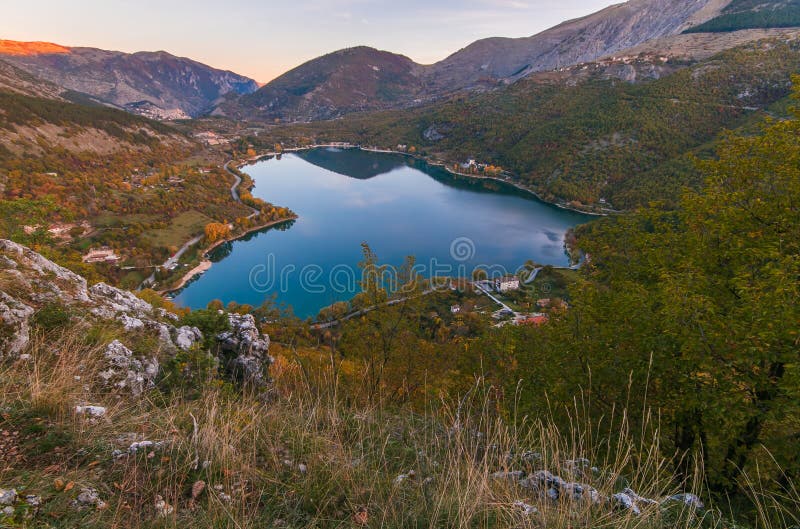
[{"x": 301, "y": 458}]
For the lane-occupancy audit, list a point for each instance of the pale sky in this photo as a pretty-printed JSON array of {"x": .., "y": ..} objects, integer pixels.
[{"x": 263, "y": 39}]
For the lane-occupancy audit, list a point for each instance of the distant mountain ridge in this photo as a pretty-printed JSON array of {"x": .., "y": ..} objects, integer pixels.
[
  {"x": 155, "y": 84},
  {"x": 355, "y": 80},
  {"x": 585, "y": 39},
  {"x": 362, "y": 79}
]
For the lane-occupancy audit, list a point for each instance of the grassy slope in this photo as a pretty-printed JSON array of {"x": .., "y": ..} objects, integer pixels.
[
  {"x": 180, "y": 230},
  {"x": 303, "y": 460}
]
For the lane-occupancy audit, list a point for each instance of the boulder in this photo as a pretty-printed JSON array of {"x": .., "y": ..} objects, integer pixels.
[
  {"x": 185, "y": 337},
  {"x": 690, "y": 500},
  {"x": 125, "y": 372},
  {"x": 15, "y": 326},
  {"x": 245, "y": 351},
  {"x": 93, "y": 412},
  {"x": 8, "y": 496},
  {"x": 89, "y": 498}
]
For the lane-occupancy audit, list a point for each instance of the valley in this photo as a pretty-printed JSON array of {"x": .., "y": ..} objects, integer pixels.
[{"x": 544, "y": 281}]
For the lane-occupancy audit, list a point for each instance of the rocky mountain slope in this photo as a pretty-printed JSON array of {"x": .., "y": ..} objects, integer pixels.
[
  {"x": 154, "y": 84},
  {"x": 613, "y": 29},
  {"x": 12, "y": 79},
  {"x": 350, "y": 80}
]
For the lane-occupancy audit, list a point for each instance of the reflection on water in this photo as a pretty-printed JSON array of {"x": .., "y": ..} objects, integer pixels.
[{"x": 400, "y": 206}]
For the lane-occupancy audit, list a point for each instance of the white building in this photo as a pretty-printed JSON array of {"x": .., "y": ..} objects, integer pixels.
[
  {"x": 506, "y": 283},
  {"x": 103, "y": 255}
]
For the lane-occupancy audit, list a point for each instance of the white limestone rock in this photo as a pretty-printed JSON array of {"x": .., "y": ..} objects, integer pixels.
[
  {"x": 8, "y": 496},
  {"x": 15, "y": 327},
  {"x": 125, "y": 372},
  {"x": 185, "y": 337},
  {"x": 91, "y": 411},
  {"x": 245, "y": 351}
]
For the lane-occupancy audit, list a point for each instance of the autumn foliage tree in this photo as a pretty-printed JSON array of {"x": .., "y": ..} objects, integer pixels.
[{"x": 216, "y": 231}]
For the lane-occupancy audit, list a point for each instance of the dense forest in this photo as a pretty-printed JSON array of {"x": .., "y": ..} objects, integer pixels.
[{"x": 747, "y": 14}]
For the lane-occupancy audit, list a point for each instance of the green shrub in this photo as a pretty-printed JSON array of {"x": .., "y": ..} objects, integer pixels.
[{"x": 52, "y": 316}]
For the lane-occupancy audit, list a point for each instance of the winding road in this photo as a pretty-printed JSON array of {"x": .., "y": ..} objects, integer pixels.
[
  {"x": 235, "y": 189},
  {"x": 176, "y": 257}
]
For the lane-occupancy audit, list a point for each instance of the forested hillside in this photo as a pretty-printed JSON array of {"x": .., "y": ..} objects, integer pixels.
[
  {"x": 102, "y": 177},
  {"x": 690, "y": 314},
  {"x": 590, "y": 139},
  {"x": 745, "y": 14}
]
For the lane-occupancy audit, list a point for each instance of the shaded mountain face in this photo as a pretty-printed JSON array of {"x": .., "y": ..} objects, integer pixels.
[
  {"x": 12, "y": 79},
  {"x": 350, "y": 80},
  {"x": 155, "y": 84}
]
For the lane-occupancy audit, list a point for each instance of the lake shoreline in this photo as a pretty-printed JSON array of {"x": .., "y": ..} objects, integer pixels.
[
  {"x": 533, "y": 227},
  {"x": 442, "y": 165},
  {"x": 206, "y": 264}
]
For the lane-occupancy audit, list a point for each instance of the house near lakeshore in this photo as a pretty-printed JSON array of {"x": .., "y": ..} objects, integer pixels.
[
  {"x": 506, "y": 283},
  {"x": 547, "y": 303},
  {"x": 101, "y": 255},
  {"x": 536, "y": 319}
]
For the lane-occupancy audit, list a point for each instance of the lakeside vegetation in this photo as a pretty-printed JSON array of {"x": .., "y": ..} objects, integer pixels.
[
  {"x": 691, "y": 312},
  {"x": 578, "y": 143},
  {"x": 135, "y": 185}
]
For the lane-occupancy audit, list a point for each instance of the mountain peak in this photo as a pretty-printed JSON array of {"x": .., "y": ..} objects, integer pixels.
[
  {"x": 353, "y": 79},
  {"x": 13, "y": 47},
  {"x": 154, "y": 84}
]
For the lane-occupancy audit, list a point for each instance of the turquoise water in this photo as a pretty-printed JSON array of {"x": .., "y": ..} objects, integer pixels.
[{"x": 399, "y": 206}]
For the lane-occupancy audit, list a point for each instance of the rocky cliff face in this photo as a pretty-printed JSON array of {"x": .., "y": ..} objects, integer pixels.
[
  {"x": 29, "y": 283},
  {"x": 163, "y": 85}
]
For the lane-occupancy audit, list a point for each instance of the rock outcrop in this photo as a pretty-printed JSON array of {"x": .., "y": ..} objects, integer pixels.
[
  {"x": 548, "y": 486},
  {"x": 245, "y": 351},
  {"x": 29, "y": 281},
  {"x": 14, "y": 325},
  {"x": 126, "y": 372}
]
